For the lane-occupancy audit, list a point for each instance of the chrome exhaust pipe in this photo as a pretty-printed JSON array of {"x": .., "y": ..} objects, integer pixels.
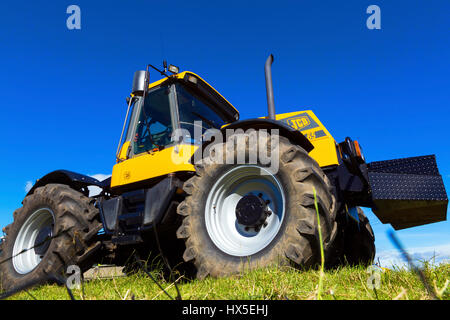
[{"x": 269, "y": 87}]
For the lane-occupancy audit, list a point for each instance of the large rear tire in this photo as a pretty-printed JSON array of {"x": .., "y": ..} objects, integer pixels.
[
  {"x": 355, "y": 242},
  {"x": 62, "y": 223},
  {"x": 359, "y": 241},
  {"x": 219, "y": 237}
]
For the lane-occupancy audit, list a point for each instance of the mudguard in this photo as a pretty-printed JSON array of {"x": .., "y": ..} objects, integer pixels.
[
  {"x": 75, "y": 180},
  {"x": 285, "y": 130}
]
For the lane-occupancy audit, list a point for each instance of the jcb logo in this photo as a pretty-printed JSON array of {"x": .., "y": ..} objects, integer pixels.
[{"x": 299, "y": 123}]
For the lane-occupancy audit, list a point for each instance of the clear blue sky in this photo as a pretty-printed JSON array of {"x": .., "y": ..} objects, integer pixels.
[{"x": 63, "y": 91}]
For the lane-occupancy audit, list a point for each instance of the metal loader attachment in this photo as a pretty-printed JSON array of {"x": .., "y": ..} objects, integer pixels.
[{"x": 407, "y": 192}]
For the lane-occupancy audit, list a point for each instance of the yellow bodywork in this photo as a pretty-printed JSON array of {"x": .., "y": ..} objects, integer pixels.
[
  {"x": 150, "y": 165},
  {"x": 124, "y": 150},
  {"x": 324, "y": 151}
]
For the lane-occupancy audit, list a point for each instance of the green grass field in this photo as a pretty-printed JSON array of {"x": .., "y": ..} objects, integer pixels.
[
  {"x": 276, "y": 283},
  {"x": 347, "y": 283}
]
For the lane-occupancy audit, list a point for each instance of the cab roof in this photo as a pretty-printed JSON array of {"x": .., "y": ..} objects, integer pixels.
[{"x": 200, "y": 86}]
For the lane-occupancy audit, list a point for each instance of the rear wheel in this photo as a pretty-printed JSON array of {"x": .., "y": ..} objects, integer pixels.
[
  {"x": 355, "y": 242},
  {"x": 55, "y": 228},
  {"x": 245, "y": 216},
  {"x": 359, "y": 241}
]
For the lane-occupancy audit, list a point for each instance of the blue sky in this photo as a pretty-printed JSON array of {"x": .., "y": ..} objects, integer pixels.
[{"x": 63, "y": 91}]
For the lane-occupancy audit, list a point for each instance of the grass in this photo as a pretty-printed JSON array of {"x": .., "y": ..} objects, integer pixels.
[
  {"x": 322, "y": 253},
  {"x": 346, "y": 283},
  {"x": 276, "y": 283}
]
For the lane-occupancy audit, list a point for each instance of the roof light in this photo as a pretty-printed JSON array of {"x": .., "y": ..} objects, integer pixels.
[
  {"x": 192, "y": 79},
  {"x": 174, "y": 69}
]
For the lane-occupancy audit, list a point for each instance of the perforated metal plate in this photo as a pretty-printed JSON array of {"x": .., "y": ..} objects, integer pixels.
[
  {"x": 424, "y": 165},
  {"x": 406, "y": 186},
  {"x": 408, "y": 192}
]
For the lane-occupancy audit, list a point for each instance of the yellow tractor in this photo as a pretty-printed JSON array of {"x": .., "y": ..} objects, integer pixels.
[{"x": 224, "y": 194}]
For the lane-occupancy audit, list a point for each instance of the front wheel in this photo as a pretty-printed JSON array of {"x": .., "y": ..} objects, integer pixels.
[
  {"x": 246, "y": 216},
  {"x": 55, "y": 228}
]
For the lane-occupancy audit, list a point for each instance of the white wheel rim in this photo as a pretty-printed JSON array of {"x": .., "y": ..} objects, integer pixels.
[
  {"x": 220, "y": 210},
  {"x": 27, "y": 261}
]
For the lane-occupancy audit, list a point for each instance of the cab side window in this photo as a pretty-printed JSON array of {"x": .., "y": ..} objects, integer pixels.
[{"x": 154, "y": 127}]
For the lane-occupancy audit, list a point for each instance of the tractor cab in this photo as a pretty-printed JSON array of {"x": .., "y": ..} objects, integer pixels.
[{"x": 182, "y": 102}]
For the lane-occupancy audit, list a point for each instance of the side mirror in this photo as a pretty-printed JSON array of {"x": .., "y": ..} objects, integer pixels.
[{"x": 140, "y": 82}]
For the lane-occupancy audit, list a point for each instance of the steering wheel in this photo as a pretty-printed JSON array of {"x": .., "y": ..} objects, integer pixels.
[{"x": 161, "y": 137}]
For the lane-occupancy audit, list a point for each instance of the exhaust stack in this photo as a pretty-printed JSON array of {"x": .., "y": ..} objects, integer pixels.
[{"x": 269, "y": 87}]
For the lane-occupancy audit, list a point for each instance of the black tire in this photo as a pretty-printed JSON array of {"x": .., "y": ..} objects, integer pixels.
[
  {"x": 359, "y": 241},
  {"x": 75, "y": 226},
  {"x": 297, "y": 241}
]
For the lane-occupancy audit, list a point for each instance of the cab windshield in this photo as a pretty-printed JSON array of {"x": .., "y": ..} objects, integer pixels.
[{"x": 195, "y": 111}]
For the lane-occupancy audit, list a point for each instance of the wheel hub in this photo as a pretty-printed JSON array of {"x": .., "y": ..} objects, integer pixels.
[
  {"x": 42, "y": 241},
  {"x": 252, "y": 211},
  {"x": 244, "y": 210}
]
